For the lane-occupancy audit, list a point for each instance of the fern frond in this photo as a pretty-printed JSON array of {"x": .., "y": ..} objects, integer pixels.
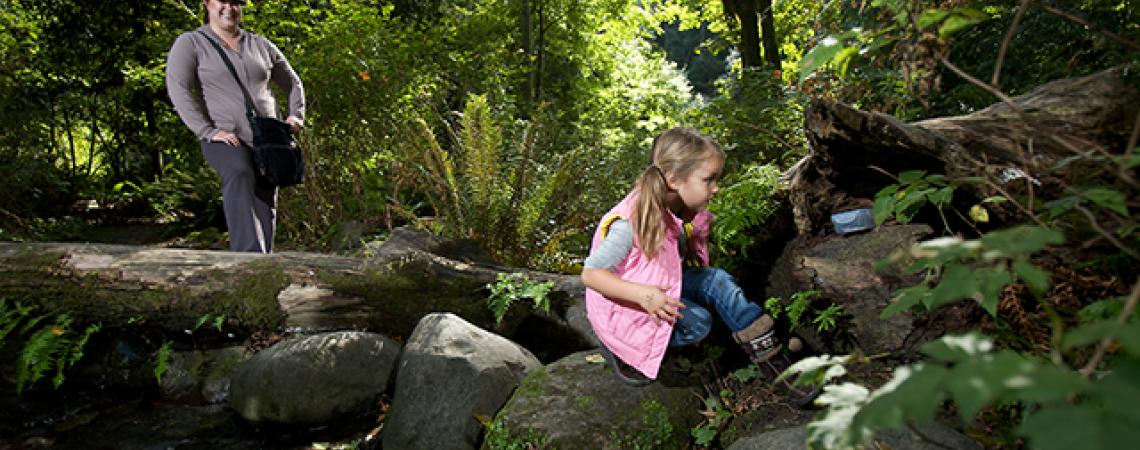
[
  {"x": 480, "y": 141},
  {"x": 162, "y": 360},
  {"x": 36, "y": 357},
  {"x": 11, "y": 316}
]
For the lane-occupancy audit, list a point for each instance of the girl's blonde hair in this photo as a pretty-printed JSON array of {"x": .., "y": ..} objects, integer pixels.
[{"x": 676, "y": 153}]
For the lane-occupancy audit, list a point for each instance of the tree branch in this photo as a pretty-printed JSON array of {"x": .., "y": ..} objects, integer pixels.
[
  {"x": 1087, "y": 24},
  {"x": 999, "y": 94},
  {"x": 1005, "y": 42},
  {"x": 1096, "y": 226}
]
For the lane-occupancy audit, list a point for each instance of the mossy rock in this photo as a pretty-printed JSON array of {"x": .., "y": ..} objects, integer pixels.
[{"x": 576, "y": 402}]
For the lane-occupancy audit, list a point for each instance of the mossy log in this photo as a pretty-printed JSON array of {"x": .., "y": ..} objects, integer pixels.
[
  {"x": 173, "y": 288},
  {"x": 1017, "y": 146}
]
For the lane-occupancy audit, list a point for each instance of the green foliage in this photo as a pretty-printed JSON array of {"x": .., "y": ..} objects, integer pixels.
[
  {"x": 743, "y": 205},
  {"x": 746, "y": 373},
  {"x": 216, "y": 321},
  {"x": 755, "y": 117},
  {"x": 497, "y": 436},
  {"x": 978, "y": 269},
  {"x": 162, "y": 360},
  {"x": 800, "y": 303},
  {"x": 510, "y": 288},
  {"x": 1063, "y": 410},
  {"x": 52, "y": 344},
  {"x": 825, "y": 319},
  {"x": 916, "y": 189},
  {"x": 195, "y": 193},
  {"x": 716, "y": 416}
]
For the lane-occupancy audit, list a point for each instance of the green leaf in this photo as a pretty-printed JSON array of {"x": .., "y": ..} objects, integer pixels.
[
  {"x": 1109, "y": 199},
  {"x": 820, "y": 55},
  {"x": 942, "y": 196},
  {"x": 1021, "y": 240},
  {"x": 884, "y": 208},
  {"x": 931, "y": 17},
  {"x": 1134, "y": 160},
  {"x": 1035, "y": 278},
  {"x": 887, "y": 191},
  {"x": 905, "y": 299},
  {"x": 958, "y": 282},
  {"x": 992, "y": 283},
  {"x": 1082, "y": 426},
  {"x": 911, "y": 176},
  {"x": 704, "y": 435},
  {"x": 959, "y": 347},
  {"x": 1127, "y": 334},
  {"x": 843, "y": 59},
  {"x": 954, "y": 24},
  {"x": 1059, "y": 207},
  {"x": 913, "y": 394}
]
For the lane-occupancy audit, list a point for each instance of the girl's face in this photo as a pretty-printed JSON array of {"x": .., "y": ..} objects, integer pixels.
[
  {"x": 225, "y": 13},
  {"x": 694, "y": 192}
]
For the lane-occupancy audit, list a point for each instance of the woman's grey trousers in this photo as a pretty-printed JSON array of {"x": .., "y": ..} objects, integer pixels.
[{"x": 250, "y": 204}]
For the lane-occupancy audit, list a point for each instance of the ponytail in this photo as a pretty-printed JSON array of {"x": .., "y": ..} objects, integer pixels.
[{"x": 649, "y": 211}]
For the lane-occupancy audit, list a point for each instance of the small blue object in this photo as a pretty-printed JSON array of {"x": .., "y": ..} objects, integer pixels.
[{"x": 853, "y": 220}]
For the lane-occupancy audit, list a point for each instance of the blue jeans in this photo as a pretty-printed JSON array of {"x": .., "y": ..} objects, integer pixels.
[{"x": 702, "y": 287}]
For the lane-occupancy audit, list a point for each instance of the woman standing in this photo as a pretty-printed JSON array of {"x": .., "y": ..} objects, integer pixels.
[{"x": 210, "y": 102}]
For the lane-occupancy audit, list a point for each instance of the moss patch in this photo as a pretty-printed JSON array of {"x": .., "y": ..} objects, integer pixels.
[
  {"x": 534, "y": 384},
  {"x": 246, "y": 296},
  {"x": 402, "y": 293},
  {"x": 655, "y": 429},
  {"x": 500, "y": 437}
]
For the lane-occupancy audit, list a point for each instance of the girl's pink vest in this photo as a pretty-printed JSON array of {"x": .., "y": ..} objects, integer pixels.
[{"x": 626, "y": 329}]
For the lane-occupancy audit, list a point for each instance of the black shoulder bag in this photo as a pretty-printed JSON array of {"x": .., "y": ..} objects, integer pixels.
[{"x": 276, "y": 155}]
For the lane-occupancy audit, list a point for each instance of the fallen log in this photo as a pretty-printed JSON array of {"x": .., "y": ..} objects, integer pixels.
[
  {"x": 171, "y": 289},
  {"x": 1011, "y": 145}
]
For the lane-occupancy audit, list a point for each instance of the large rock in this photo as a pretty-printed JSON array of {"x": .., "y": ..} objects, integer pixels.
[
  {"x": 452, "y": 373},
  {"x": 314, "y": 379},
  {"x": 842, "y": 269},
  {"x": 576, "y": 402},
  {"x": 934, "y": 437}
]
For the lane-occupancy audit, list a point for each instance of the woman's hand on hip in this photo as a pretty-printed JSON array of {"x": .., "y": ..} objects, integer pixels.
[
  {"x": 295, "y": 124},
  {"x": 659, "y": 305},
  {"x": 226, "y": 137}
]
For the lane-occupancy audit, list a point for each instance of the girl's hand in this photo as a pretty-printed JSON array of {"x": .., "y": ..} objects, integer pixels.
[
  {"x": 226, "y": 137},
  {"x": 660, "y": 306}
]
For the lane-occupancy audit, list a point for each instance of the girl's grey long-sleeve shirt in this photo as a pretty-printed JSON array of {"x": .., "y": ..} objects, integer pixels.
[{"x": 205, "y": 94}]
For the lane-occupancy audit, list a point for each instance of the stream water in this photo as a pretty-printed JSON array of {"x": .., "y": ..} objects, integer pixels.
[
  {"x": 120, "y": 419},
  {"x": 110, "y": 401}
]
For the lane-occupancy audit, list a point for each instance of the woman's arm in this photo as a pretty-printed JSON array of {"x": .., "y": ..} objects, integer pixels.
[
  {"x": 184, "y": 89},
  {"x": 290, "y": 83}
]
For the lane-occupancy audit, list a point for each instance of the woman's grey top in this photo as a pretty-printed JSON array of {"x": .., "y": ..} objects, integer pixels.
[{"x": 205, "y": 94}]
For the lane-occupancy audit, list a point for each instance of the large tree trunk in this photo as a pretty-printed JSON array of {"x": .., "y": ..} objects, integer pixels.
[
  {"x": 744, "y": 11},
  {"x": 850, "y": 149},
  {"x": 171, "y": 289},
  {"x": 768, "y": 34}
]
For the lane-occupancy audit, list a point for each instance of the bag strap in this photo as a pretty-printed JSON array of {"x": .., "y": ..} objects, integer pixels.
[{"x": 250, "y": 110}]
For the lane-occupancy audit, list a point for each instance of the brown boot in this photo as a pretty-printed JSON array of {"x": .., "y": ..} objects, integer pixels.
[{"x": 759, "y": 339}]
